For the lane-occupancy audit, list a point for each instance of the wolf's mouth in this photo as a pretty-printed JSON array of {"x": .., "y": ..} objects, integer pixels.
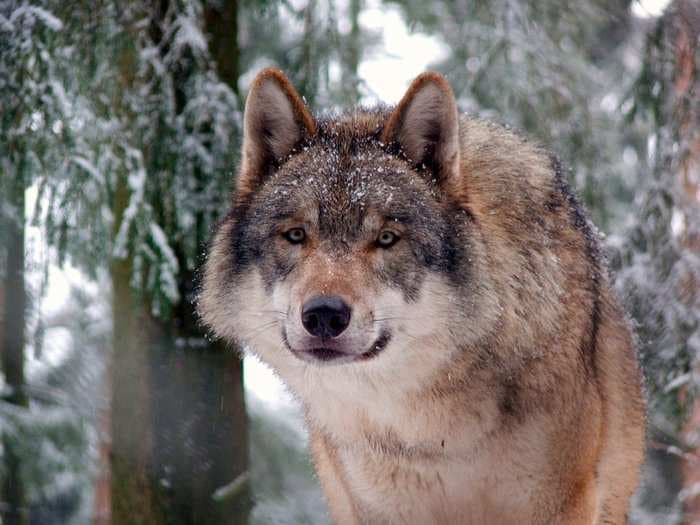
[{"x": 330, "y": 355}]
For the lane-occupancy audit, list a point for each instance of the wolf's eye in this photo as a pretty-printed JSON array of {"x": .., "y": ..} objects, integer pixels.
[
  {"x": 387, "y": 239},
  {"x": 295, "y": 235}
]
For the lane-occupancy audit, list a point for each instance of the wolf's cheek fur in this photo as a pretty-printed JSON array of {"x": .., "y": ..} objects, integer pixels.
[
  {"x": 249, "y": 316},
  {"x": 234, "y": 302}
]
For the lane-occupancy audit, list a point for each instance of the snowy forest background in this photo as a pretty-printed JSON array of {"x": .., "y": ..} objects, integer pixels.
[{"x": 119, "y": 130}]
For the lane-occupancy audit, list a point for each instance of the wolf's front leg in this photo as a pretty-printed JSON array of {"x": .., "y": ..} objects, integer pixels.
[
  {"x": 582, "y": 507},
  {"x": 330, "y": 473}
]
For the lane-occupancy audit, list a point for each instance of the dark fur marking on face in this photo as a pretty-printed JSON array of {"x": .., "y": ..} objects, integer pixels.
[
  {"x": 439, "y": 245},
  {"x": 250, "y": 239},
  {"x": 344, "y": 172},
  {"x": 242, "y": 253},
  {"x": 456, "y": 245}
]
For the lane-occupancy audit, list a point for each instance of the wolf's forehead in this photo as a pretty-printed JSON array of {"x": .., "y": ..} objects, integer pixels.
[
  {"x": 340, "y": 198},
  {"x": 343, "y": 193},
  {"x": 345, "y": 179}
]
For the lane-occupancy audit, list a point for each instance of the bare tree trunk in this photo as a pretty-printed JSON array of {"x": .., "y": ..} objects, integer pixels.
[
  {"x": 199, "y": 411},
  {"x": 684, "y": 24},
  {"x": 13, "y": 491},
  {"x": 308, "y": 85},
  {"x": 134, "y": 483},
  {"x": 690, "y": 469},
  {"x": 202, "y": 432},
  {"x": 351, "y": 79},
  {"x": 102, "y": 504},
  {"x": 221, "y": 23},
  {"x": 221, "y": 367}
]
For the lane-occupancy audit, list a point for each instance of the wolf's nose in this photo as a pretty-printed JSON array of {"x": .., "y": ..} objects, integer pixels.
[{"x": 325, "y": 316}]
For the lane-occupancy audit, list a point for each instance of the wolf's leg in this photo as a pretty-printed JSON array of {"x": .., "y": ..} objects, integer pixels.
[
  {"x": 329, "y": 471},
  {"x": 581, "y": 507},
  {"x": 614, "y": 512},
  {"x": 622, "y": 450}
]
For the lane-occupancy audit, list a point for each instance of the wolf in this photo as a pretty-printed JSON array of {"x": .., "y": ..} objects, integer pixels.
[{"x": 431, "y": 290}]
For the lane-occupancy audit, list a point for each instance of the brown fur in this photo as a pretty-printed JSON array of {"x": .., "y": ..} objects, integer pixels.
[
  {"x": 427, "y": 109},
  {"x": 262, "y": 114},
  {"x": 510, "y": 393}
]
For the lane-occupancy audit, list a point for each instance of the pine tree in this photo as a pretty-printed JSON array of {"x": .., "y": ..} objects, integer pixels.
[
  {"x": 142, "y": 170},
  {"x": 174, "y": 129},
  {"x": 29, "y": 97},
  {"x": 660, "y": 260},
  {"x": 318, "y": 44}
]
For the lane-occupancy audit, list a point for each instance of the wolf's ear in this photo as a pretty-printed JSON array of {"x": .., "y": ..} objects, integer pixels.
[
  {"x": 425, "y": 125},
  {"x": 275, "y": 121}
]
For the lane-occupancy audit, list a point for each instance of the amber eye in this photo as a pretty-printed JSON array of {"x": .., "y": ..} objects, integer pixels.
[
  {"x": 295, "y": 235},
  {"x": 387, "y": 239}
]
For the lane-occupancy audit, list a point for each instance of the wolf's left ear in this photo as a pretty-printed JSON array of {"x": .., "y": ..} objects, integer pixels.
[
  {"x": 275, "y": 121},
  {"x": 425, "y": 125}
]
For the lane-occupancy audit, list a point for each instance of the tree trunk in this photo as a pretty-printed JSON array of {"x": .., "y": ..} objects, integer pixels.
[
  {"x": 134, "y": 481},
  {"x": 684, "y": 19},
  {"x": 351, "y": 79},
  {"x": 198, "y": 406},
  {"x": 102, "y": 503},
  {"x": 221, "y": 23},
  {"x": 308, "y": 84},
  {"x": 13, "y": 493},
  {"x": 135, "y": 496},
  {"x": 221, "y": 377},
  {"x": 202, "y": 430}
]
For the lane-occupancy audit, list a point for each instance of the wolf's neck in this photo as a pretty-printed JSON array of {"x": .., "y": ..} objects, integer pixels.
[{"x": 418, "y": 420}]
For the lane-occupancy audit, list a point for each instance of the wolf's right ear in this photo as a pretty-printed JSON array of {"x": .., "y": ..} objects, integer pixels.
[
  {"x": 425, "y": 124},
  {"x": 275, "y": 121}
]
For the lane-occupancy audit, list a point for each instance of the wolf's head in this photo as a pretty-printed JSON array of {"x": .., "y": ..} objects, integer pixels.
[{"x": 349, "y": 249}]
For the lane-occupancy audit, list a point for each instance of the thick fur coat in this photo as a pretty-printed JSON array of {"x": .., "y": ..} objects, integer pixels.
[{"x": 431, "y": 290}]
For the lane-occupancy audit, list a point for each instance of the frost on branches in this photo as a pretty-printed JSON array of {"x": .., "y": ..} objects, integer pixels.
[
  {"x": 660, "y": 259},
  {"x": 168, "y": 127}
]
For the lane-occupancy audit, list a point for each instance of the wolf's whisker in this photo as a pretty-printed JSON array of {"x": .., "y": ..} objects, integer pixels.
[
  {"x": 259, "y": 329},
  {"x": 278, "y": 313},
  {"x": 262, "y": 309}
]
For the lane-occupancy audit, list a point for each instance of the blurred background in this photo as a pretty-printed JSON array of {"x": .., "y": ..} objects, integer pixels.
[{"x": 120, "y": 123}]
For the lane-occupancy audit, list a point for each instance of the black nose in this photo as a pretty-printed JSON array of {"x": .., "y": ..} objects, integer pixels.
[{"x": 325, "y": 316}]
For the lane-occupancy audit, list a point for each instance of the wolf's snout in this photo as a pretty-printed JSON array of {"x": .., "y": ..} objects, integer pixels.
[{"x": 325, "y": 316}]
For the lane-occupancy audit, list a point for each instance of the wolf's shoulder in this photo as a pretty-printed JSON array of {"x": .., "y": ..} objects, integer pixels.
[
  {"x": 490, "y": 144},
  {"x": 518, "y": 184},
  {"x": 502, "y": 169}
]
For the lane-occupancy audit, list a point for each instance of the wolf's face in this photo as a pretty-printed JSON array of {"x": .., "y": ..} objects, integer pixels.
[{"x": 344, "y": 246}]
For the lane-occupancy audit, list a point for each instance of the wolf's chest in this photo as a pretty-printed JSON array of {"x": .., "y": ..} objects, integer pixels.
[{"x": 423, "y": 485}]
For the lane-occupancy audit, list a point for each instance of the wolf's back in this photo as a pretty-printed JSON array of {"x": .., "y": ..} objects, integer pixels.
[{"x": 554, "y": 289}]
